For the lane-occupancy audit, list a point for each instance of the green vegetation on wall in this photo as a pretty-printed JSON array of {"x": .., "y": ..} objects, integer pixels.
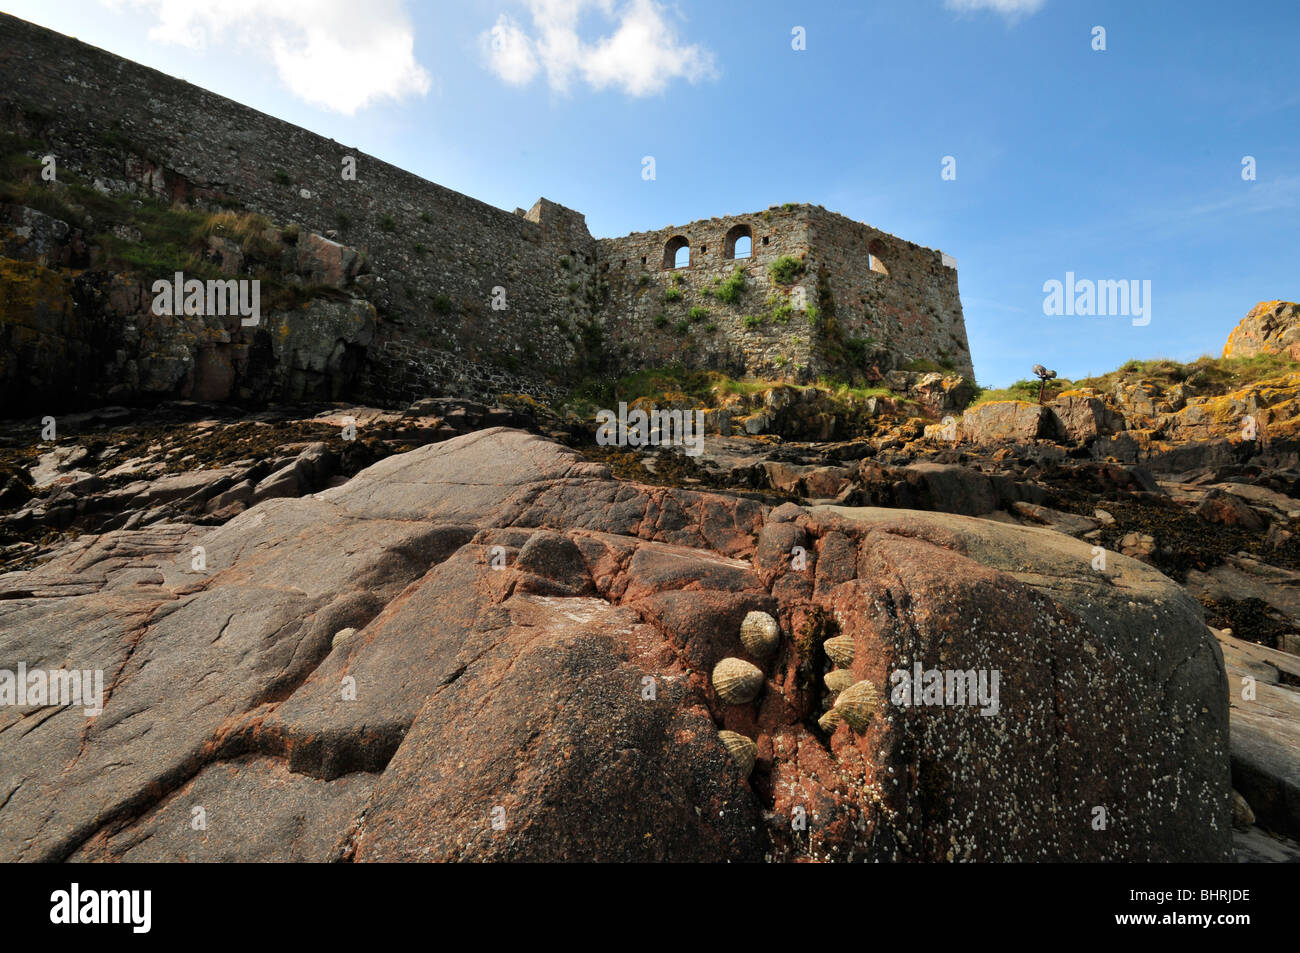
[
  {"x": 729, "y": 291},
  {"x": 786, "y": 270}
]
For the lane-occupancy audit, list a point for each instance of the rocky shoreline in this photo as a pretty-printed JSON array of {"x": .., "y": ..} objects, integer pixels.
[
  {"x": 666, "y": 552},
  {"x": 457, "y": 631}
]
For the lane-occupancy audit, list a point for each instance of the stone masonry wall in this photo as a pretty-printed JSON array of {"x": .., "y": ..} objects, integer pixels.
[
  {"x": 399, "y": 371},
  {"x": 575, "y": 306},
  {"x": 647, "y": 329},
  {"x": 797, "y": 330},
  {"x": 436, "y": 254},
  {"x": 914, "y": 310}
]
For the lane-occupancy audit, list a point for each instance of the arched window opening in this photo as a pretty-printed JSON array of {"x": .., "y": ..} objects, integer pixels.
[
  {"x": 739, "y": 243},
  {"x": 873, "y": 258},
  {"x": 677, "y": 253}
]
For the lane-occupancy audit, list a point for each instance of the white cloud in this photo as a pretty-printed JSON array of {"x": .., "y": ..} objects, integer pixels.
[
  {"x": 337, "y": 54},
  {"x": 641, "y": 55},
  {"x": 511, "y": 52},
  {"x": 1011, "y": 9}
]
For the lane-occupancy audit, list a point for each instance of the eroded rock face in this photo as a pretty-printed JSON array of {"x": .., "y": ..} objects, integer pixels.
[
  {"x": 73, "y": 338},
  {"x": 938, "y": 393},
  {"x": 1271, "y": 327},
  {"x": 528, "y": 679},
  {"x": 1081, "y": 417},
  {"x": 1005, "y": 420},
  {"x": 1265, "y": 731},
  {"x": 1094, "y": 631}
]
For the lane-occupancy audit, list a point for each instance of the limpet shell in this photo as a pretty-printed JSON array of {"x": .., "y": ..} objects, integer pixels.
[
  {"x": 830, "y": 720},
  {"x": 743, "y": 751},
  {"x": 839, "y": 650},
  {"x": 858, "y": 703},
  {"x": 838, "y": 680},
  {"x": 760, "y": 634},
  {"x": 737, "y": 681}
]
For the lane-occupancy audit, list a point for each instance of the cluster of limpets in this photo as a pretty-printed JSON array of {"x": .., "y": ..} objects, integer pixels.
[
  {"x": 738, "y": 682},
  {"x": 851, "y": 701}
]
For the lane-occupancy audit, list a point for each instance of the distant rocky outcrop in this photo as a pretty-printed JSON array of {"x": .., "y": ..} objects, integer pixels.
[
  {"x": 1143, "y": 421},
  {"x": 1271, "y": 327}
]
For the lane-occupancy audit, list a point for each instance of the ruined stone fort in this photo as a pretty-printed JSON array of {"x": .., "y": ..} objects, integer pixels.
[{"x": 851, "y": 300}]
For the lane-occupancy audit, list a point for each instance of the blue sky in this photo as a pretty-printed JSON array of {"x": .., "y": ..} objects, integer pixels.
[{"x": 1119, "y": 164}]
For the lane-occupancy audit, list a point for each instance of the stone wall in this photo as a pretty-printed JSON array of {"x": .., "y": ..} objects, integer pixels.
[
  {"x": 648, "y": 311},
  {"x": 437, "y": 254},
  {"x": 913, "y": 310},
  {"x": 399, "y": 370},
  {"x": 574, "y": 306},
  {"x": 898, "y": 301}
]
